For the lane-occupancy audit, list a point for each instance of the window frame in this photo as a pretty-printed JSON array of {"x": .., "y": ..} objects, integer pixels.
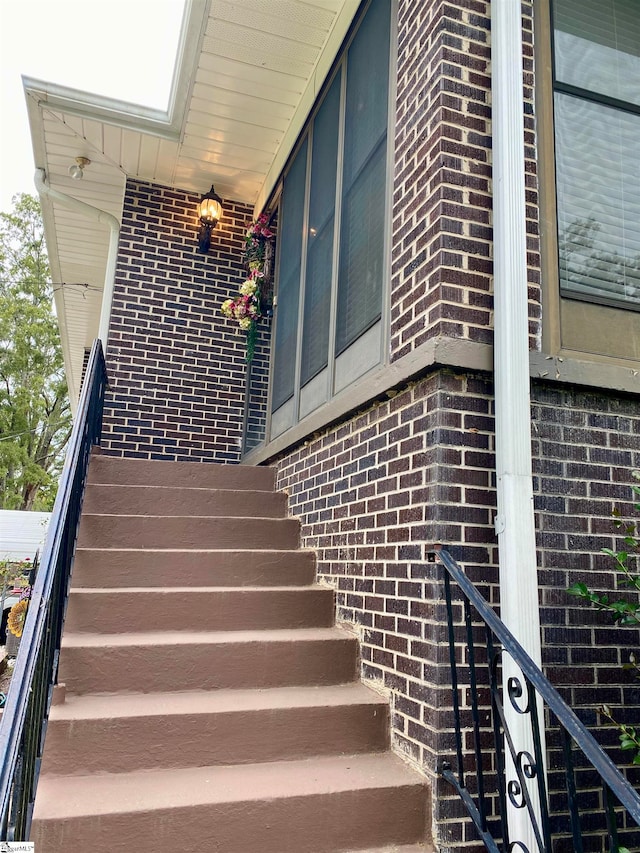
[
  {"x": 323, "y": 382},
  {"x": 573, "y": 324}
]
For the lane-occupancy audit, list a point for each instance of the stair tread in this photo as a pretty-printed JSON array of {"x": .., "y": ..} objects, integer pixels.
[
  {"x": 121, "y": 705},
  {"x": 183, "y": 637},
  {"x": 108, "y": 469},
  {"x": 175, "y": 518},
  {"x": 186, "y": 590},
  {"x": 143, "y": 487},
  {"x": 65, "y": 797},
  {"x": 136, "y": 551},
  {"x": 396, "y": 848}
]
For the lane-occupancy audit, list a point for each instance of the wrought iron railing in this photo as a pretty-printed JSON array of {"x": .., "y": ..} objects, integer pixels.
[
  {"x": 24, "y": 721},
  {"x": 583, "y": 802}
]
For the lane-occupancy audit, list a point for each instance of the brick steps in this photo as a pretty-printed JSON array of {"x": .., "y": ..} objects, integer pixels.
[{"x": 210, "y": 702}]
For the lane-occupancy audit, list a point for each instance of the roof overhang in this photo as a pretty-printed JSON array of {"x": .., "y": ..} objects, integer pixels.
[{"x": 247, "y": 73}]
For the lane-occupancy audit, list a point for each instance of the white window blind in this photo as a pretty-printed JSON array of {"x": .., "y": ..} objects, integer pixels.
[{"x": 597, "y": 121}]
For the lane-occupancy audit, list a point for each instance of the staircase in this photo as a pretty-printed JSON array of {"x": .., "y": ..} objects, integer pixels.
[{"x": 210, "y": 704}]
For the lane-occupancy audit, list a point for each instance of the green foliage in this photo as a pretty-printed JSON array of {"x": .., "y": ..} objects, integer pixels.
[
  {"x": 35, "y": 418},
  {"x": 623, "y": 610}
]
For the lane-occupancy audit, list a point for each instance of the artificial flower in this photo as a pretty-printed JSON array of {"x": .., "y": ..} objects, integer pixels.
[
  {"x": 246, "y": 308},
  {"x": 17, "y": 615}
]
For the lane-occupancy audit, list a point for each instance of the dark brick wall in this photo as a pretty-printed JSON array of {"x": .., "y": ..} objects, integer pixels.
[
  {"x": 176, "y": 365},
  {"x": 442, "y": 237},
  {"x": 586, "y": 445},
  {"x": 376, "y": 492}
]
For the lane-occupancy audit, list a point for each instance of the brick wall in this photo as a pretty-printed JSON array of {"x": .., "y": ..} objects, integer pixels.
[
  {"x": 586, "y": 445},
  {"x": 441, "y": 251},
  {"x": 176, "y": 365},
  {"x": 441, "y": 222},
  {"x": 376, "y": 492}
]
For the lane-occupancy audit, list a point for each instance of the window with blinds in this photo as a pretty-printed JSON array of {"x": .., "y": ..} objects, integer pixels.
[
  {"x": 332, "y": 226},
  {"x": 597, "y": 125}
]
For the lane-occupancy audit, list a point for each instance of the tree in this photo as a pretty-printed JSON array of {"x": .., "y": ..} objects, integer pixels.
[{"x": 35, "y": 417}]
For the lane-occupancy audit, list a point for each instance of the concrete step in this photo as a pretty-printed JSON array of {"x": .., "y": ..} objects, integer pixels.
[
  {"x": 177, "y": 660},
  {"x": 198, "y": 609},
  {"x": 155, "y": 730},
  {"x": 320, "y": 805},
  {"x": 169, "y": 500},
  {"x": 151, "y": 531},
  {"x": 398, "y": 848},
  {"x": 115, "y": 567},
  {"x": 204, "y": 475}
]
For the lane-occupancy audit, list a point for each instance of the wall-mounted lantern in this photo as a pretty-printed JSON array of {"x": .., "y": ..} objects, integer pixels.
[{"x": 209, "y": 211}]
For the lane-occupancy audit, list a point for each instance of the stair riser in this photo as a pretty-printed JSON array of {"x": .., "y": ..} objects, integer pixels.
[
  {"x": 139, "y": 500},
  {"x": 115, "y": 531},
  {"x": 115, "y": 568},
  {"x": 197, "y": 740},
  {"x": 324, "y": 823},
  {"x": 207, "y": 666},
  {"x": 212, "y": 610},
  {"x": 143, "y": 472}
]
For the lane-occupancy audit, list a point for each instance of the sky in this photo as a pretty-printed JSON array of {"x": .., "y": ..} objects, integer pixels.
[{"x": 124, "y": 49}]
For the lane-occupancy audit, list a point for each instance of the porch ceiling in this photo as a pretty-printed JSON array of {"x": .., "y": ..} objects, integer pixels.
[{"x": 246, "y": 75}]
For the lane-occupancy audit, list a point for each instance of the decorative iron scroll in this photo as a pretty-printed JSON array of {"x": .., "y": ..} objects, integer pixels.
[{"x": 552, "y": 829}]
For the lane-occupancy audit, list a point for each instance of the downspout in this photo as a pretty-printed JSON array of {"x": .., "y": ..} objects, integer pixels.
[
  {"x": 101, "y": 216},
  {"x": 515, "y": 524}
]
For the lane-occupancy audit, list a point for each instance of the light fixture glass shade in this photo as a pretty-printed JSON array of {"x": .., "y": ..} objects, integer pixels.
[
  {"x": 77, "y": 170},
  {"x": 210, "y": 208}
]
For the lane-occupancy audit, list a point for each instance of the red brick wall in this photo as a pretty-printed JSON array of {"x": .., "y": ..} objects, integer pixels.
[{"x": 175, "y": 364}]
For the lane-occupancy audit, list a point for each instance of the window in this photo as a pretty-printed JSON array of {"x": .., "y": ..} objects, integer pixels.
[
  {"x": 597, "y": 128},
  {"x": 330, "y": 269}
]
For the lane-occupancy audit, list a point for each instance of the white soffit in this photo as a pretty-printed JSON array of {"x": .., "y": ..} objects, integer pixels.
[{"x": 247, "y": 74}]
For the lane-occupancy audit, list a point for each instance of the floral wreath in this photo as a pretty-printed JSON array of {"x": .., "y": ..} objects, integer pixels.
[{"x": 247, "y": 307}]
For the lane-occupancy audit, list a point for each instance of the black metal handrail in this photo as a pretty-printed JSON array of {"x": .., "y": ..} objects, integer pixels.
[
  {"x": 24, "y": 721},
  {"x": 558, "y": 818}
]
